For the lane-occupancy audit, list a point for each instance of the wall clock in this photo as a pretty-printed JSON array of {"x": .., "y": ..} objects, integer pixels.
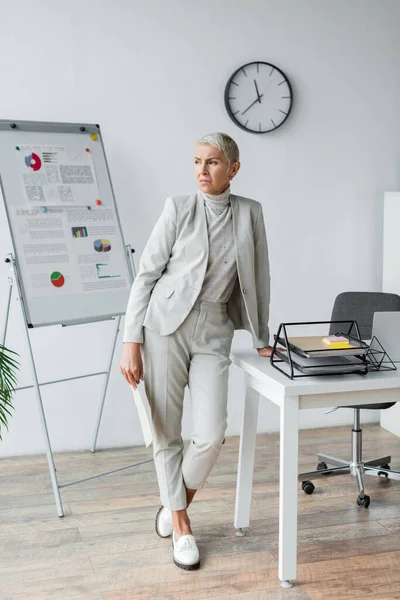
[{"x": 258, "y": 97}]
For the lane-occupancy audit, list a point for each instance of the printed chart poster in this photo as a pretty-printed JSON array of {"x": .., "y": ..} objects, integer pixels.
[
  {"x": 69, "y": 250},
  {"x": 97, "y": 250},
  {"x": 55, "y": 175}
]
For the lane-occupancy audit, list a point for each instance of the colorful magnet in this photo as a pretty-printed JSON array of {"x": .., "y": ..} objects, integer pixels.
[
  {"x": 87, "y": 149},
  {"x": 98, "y": 202},
  {"x": 43, "y": 209},
  {"x": 17, "y": 147},
  {"x": 94, "y": 137},
  {"x": 89, "y": 208}
]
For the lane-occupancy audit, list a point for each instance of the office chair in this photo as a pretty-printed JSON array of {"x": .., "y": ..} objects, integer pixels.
[{"x": 360, "y": 307}]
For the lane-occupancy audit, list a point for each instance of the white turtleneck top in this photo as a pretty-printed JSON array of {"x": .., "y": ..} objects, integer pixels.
[{"x": 221, "y": 273}]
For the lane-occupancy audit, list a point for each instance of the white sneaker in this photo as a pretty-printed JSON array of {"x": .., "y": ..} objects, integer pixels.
[
  {"x": 164, "y": 522},
  {"x": 185, "y": 552}
]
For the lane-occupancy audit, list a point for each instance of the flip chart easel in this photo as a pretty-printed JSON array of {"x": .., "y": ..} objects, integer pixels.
[{"x": 70, "y": 264}]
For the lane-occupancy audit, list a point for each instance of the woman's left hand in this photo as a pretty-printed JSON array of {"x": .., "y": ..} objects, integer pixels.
[{"x": 267, "y": 351}]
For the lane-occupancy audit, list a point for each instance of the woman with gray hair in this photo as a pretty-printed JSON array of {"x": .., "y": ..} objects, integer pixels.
[{"x": 203, "y": 273}]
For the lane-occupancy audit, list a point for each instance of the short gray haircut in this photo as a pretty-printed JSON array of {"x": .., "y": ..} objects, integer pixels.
[{"x": 224, "y": 143}]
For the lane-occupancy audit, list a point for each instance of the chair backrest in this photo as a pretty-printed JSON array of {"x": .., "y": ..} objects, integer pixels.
[{"x": 360, "y": 307}]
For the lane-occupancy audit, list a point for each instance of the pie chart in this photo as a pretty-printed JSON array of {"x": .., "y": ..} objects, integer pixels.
[
  {"x": 57, "y": 279},
  {"x": 102, "y": 245},
  {"x": 33, "y": 161}
]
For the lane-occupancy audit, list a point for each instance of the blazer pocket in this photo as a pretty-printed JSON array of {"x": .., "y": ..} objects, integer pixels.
[{"x": 167, "y": 291}]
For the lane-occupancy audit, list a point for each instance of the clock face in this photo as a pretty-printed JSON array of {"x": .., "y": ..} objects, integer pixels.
[{"x": 258, "y": 97}]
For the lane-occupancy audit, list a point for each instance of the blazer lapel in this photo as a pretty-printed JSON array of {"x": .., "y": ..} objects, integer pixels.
[
  {"x": 243, "y": 238},
  {"x": 200, "y": 222}
]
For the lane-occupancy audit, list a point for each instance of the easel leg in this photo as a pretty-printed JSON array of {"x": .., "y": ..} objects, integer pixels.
[
  {"x": 10, "y": 281},
  {"x": 93, "y": 448},
  {"x": 49, "y": 452}
]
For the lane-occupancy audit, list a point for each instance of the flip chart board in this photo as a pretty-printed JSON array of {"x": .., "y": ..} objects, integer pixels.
[{"x": 71, "y": 258}]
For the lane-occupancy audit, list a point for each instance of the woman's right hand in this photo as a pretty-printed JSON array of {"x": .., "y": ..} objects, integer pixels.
[{"x": 131, "y": 364}]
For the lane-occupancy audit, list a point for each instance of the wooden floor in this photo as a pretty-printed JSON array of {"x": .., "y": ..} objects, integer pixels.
[{"x": 105, "y": 548}]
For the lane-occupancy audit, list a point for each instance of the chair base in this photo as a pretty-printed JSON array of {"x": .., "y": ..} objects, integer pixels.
[{"x": 357, "y": 467}]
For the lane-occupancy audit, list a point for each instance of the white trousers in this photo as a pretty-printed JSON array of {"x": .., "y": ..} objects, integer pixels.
[{"x": 196, "y": 355}]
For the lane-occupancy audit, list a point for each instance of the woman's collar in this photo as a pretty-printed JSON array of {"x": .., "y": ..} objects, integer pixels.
[{"x": 220, "y": 199}]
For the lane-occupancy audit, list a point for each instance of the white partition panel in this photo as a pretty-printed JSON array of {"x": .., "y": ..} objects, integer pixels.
[{"x": 390, "y": 419}]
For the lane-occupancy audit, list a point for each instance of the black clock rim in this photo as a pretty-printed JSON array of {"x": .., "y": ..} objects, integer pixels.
[{"x": 228, "y": 109}]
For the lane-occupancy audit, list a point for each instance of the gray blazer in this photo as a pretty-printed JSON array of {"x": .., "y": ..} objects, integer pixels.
[{"x": 174, "y": 262}]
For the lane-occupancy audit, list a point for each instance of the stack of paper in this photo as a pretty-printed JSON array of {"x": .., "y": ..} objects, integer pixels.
[
  {"x": 312, "y": 346},
  {"x": 144, "y": 418}
]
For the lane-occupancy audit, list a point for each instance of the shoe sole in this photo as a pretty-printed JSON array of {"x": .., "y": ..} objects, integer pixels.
[
  {"x": 156, "y": 524},
  {"x": 187, "y": 567}
]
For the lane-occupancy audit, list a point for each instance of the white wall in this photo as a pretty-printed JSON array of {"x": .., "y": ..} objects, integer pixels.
[{"x": 153, "y": 75}]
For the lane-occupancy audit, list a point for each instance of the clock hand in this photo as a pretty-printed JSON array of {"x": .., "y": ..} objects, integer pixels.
[
  {"x": 256, "y": 100},
  {"x": 259, "y": 96},
  {"x": 267, "y": 86},
  {"x": 258, "y": 93}
]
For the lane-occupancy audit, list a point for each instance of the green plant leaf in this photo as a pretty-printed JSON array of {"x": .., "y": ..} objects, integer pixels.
[{"x": 8, "y": 379}]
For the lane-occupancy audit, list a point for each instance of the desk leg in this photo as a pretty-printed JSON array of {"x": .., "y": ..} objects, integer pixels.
[
  {"x": 288, "y": 484},
  {"x": 247, "y": 448}
]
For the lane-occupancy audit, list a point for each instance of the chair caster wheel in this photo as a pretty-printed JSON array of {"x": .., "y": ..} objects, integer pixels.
[
  {"x": 382, "y": 473},
  {"x": 308, "y": 487},
  {"x": 322, "y": 466},
  {"x": 363, "y": 501}
]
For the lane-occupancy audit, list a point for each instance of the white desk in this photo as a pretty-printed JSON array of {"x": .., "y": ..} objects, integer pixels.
[{"x": 291, "y": 396}]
